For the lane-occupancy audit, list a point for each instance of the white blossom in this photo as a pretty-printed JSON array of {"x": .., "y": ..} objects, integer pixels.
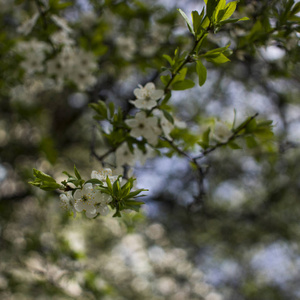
[
  {"x": 61, "y": 38},
  {"x": 33, "y": 62},
  {"x": 124, "y": 156},
  {"x": 102, "y": 174},
  {"x": 67, "y": 202},
  {"x": 89, "y": 199},
  {"x": 144, "y": 126},
  {"x": 147, "y": 96},
  {"x": 27, "y": 26},
  {"x": 165, "y": 124},
  {"x": 221, "y": 132},
  {"x": 126, "y": 47},
  {"x": 61, "y": 23}
]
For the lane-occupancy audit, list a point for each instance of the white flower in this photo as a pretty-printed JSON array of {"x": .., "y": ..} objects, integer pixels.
[
  {"x": 144, "y": 126},
  {"x": 33, "y": 62},
  {"x": 124, "y": 156},
  {"x": 126, "y": 47},
  {"x": 61, "y": 38},
  {"x": 221, "y": 132},
  {"x": 89, "y": 200},
  {"x": 82, "y": 79},
  {"x": 165, "y": 124},
  {"x": 27, "y": 27},
  {"x": 61, "y": 23},
  {"x": 147, "y": 96},
  {"x": 103, "y": 209},
  {"x": 102, "y": 174},
  {"x": 67, "y": 202}
]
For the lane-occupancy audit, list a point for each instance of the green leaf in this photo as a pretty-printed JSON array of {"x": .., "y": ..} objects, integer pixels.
[
  {"x": 77, "y": 173},
  {"x": 42, "y": 176},
  {"x": 180, "y": 76},
  {"x": 183, "y": 85},
  {"x": 168, "y": 116},
  {"x": 220, "y": 6},
  {"x": 220, "y": 59},
  {"x": 66, "y": 173},
  {"x": 296, "y": 9},
  {"x": 187, "y": 21},
  {"x": 202, "y": 72},
  {"x": 94, "y": 181},
  {"x": 109, "y": 184},
  {"x": 165, "y": 79},
  {"x": 111, "y": 108},
  {"x": 210, "y": 8},
  {"x": 132, "y": 202},
  {"x": 230, "y": 9},
  {"x": 100, "y": 108},
  {"x": 169, "y": 59},
  {"x": 196, "y": 21},
  {"x": 166, "y": 99},
  {"x": 234, "y": 20},
  {"x": 50, "y": 186}
]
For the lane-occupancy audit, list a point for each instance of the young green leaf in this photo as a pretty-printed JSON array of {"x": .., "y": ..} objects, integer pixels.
[
  {"x": 183, "y": 85},
  {"x": 187, "y": 21},
  {"x": 168, "y": 116},
  {"x": 77, "y": 173},
  {"x": 202, "y": 72}
]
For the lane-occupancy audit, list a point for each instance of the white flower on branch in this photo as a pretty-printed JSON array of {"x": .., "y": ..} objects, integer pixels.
[
  {"x": 147, "y": 96},
  {"x": 90, "y": 200},
  {"x": 221, "y": 132},
  {"x": 144, "y": 126}
]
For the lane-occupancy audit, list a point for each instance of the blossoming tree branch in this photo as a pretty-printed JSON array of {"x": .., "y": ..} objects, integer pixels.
[{"x": 150, "y": 127}]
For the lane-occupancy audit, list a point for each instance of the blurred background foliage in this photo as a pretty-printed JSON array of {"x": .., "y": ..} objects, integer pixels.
[{"x": 241, "y": 241}]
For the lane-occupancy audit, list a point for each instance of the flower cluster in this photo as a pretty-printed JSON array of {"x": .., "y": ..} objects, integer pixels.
[
  {"x": 73, "y": 64},
  {"x": 88, "y": 198}
]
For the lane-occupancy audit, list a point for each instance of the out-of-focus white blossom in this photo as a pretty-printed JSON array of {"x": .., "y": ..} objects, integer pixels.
[
  {"x": 213, "y": 296},
  {"x": 90, "y": 200},
  {"x": 27, "y": 26},
  {"x": 124, "y": 156},
  {"x": 144, "y": 126},
  {"x": 126, "y": 46},
  {"x": 147, "y": 96},
  {"x": 221, "y": 132},
  {"x": 61, "y": 38},
  {"x": 75, "y": 65},
  {"x": 34, "y": 55}
]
